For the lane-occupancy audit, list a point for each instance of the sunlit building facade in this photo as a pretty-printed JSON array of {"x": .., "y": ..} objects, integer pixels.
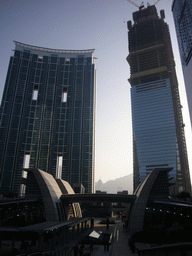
[
  {"x": 182, "y": 13},
  {"x": 47, "y": 116},
  {"x": 158, "y": 129}
]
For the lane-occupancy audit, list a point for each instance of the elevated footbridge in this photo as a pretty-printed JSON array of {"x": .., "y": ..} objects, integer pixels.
[{"x": 110, "y": 198}]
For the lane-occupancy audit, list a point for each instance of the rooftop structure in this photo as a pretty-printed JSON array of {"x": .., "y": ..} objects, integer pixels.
[{"x": 20, "y": 46}]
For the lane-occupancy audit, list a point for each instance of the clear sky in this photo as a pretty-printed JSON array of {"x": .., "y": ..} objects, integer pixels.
[{"x": 88, "y": 24}]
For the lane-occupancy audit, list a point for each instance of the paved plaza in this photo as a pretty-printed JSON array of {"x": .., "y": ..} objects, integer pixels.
[{"x": 119, "y": 245}]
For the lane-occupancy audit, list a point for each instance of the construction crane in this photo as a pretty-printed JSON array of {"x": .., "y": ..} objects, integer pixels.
[
  {"x": 133, "y": 3},
  {"x": 157, "y": 2},
  {"x": 142, "y": 4}
]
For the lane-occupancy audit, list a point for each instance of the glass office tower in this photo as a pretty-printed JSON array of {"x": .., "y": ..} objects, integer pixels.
[
  {"x": 182, "y": 13},
  {"x": 48, "y": 116},
  {"x": 158, "y": 129}
]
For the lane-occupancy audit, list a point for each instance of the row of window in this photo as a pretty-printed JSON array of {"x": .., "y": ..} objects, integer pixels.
[
  {"x": 59, "y": 165},
  {"x": 40, "y": 58},
  {"x": 36, "y": 89},
  {"x": 26, "y": 162}
]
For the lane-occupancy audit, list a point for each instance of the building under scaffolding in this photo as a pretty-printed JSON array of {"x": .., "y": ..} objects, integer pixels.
[{"x": 158, "y": 128}]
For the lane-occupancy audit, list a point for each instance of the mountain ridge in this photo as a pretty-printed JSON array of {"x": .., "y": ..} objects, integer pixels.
[{"x": 119, "y": 184}]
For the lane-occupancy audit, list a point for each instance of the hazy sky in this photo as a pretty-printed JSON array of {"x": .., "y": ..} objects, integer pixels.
[{"x": 88, "y": 24}]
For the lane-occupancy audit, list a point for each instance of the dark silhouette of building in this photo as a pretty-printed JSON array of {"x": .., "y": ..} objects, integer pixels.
[
  {"x": 47, "y": 116},
  {"x": 158, "y": 128}
]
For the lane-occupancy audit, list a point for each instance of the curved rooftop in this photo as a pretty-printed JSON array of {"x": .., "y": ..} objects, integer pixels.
[
  {"x": 43, "y": 185},
  {"x": 20, "y": 45},
  {"x": 155, "y": 186}
]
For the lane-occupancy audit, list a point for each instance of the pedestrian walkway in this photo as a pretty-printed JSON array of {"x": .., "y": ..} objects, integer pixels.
[{"x": 119, "y": 245}]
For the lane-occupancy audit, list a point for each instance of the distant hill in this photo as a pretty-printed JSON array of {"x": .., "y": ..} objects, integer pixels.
[{"x": 113, "y": 186}]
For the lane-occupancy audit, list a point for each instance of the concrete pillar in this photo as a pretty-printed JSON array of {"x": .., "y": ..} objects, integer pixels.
[
  {"x": 85, "y": 224},
  {"x": 78, "y": 228},
  {"x": 13, "y": 241},
  {"x": 41, "y": 242},
  {"x": 54, "y": 239},
  {"x": 1, "y": 236}
]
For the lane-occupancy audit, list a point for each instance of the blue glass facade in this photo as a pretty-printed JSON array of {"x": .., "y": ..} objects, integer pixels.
[
  {"x": 47, "y": 116},
  {"x": 158, "y": 129},
  {"x": 154, "y": 126}
]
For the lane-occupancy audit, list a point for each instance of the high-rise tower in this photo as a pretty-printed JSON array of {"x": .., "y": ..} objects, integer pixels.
[
  {"x": 47, "y": 116},
  {"x": 158, "y": 129},
  {"x": 182, "y": 13}
]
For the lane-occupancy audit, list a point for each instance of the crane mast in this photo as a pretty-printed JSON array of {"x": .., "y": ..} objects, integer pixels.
[
  {"x": 157, "y": 2},
  {"x": 142, "y": 4},
  {"x": 133, "y": 3}
]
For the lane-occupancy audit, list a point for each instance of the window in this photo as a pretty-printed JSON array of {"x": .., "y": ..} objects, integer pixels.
[
  {"x": 40, "y": 58},
  {"x": 35, "y": 92},
  {"x": 67, "y": 61},
  {"x": 64, "y": 94},
  {"x": 26, "y": 161},
  {"x": 59, "y": 167},
  {"x": 22, "y": 190}
]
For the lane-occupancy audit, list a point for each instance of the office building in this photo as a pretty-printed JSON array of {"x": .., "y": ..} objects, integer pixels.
[
  {"x": 182, "y": 13},
  {"x": 48, "y": 116},
  {"x": 158, "y": 128}
]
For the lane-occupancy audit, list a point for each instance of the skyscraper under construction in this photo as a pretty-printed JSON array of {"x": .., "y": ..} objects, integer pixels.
[{"x": 158, "y": 128}]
